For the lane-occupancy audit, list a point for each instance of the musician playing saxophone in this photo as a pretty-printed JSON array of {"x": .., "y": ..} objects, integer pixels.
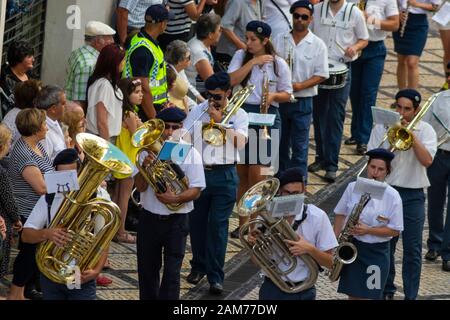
[
  {"x": 409, "y": 178},
  {"x": 316, "y": 238},
  {"x": 380, "y": 220},
  {"x": 161, "y": 232}
]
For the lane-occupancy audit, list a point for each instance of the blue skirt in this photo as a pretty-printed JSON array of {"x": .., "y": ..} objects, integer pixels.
[
  {"x": 414, "y": 38},
  {"x": 367, "y": 275},
  {"x": 260, "y": 151}
]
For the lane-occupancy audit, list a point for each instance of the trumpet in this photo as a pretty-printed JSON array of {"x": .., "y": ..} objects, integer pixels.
[{"x": 264, "y": 108}]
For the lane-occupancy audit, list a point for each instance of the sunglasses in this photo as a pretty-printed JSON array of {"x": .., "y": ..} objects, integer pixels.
[
  {"x": 172, "y": 126},
  {"x": 213, "y": 96},
  {"x": 302, "y": 16}
]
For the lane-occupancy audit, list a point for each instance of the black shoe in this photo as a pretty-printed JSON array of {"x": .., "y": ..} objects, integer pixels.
[
  {"x": 215, "y": 288},
  {"x": 314, "y": 167},
  {"x": 361, "y": 149},
  {"x": 388, "y": 296},
  {"x": 33, "y": 295},
  {"x": 330, "y": 176},
  {"x": 432, "y": 255},
  {"x": 446, "y": 265},
  {"x": 194, "y": 277},
  {"x": 350, "y": 142}
]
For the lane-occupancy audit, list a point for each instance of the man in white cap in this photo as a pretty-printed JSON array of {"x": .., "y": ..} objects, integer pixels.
[{"x": 82, "y": 60}]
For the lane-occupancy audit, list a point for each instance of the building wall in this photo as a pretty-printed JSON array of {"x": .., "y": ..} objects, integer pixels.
[{"x": 60, "y": 40}]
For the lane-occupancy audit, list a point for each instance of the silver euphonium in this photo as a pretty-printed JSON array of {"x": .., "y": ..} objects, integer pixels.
[{"x": 346, "y": 252}]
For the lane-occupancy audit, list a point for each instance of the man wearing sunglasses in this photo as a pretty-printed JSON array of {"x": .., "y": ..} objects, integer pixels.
[
  {"x": 209, "y": 220},
  {"x": 409, "y": 178},
  {"x": 307, "y": 57}
]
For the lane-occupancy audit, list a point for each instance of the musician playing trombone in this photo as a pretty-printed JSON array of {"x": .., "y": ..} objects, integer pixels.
[
  {"x": 379, "y": 221},
  {"x": 209, "y": 220},
  {"x": 409, "y": 178},
  {"x": 316, "y": 238},
  {"x": 439, "y": 174}
]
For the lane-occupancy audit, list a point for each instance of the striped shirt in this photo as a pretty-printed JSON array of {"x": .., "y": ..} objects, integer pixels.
[
  {"x": 80, "y": 67},
  {"x": 21, "y": 157},
  {"x": 181, "y": 23},
  {"x": 136, "y": 11}
]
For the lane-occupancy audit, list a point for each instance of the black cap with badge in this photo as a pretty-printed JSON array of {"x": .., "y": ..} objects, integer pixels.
[{"x": 158, "y": 13}]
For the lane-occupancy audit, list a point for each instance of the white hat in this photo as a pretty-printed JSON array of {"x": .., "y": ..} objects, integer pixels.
[{"x": 97, "y": 28}]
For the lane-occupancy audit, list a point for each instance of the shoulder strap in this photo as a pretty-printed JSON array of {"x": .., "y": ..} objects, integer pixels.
[
  {"x": 282, "y": 12},
  {"x": 297, "y": 223},
  {"x": 49, "y": 197}
]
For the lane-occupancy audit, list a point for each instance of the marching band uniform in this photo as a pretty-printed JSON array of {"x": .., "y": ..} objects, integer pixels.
[
  {"x": 409, "y": 178},
  {"x": 439, "y": 174},
  {"x": 372, "y": 250},
  {"x": 162, "y": 232},
  {"x": 309, "y": 59},
  {"x": 345, "y": 29},
  {"x": 368, "y": 70},
  {"x": 209, "y": 219}
]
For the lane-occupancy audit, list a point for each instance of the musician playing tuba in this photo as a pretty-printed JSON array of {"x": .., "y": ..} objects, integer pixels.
[
  {"x": 315, "y": 238},
  {"x": 409, "y": 178},
  {"x": 378, "y": 222},
  {"x": 162, "y": 233}
]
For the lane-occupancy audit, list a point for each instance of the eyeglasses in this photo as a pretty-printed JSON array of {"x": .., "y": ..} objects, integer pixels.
[
  {"x": 172, "y": 126},
  {"x": 302, "y": 16},
  {"x": 213, "y": 96}
]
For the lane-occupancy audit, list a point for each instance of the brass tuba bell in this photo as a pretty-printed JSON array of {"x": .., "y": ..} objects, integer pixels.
[
  {"x": 78, "y": 214},
  {"x": 270, "y": 250}
]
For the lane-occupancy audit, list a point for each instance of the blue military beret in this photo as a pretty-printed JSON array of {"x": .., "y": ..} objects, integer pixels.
[
  {"x": 381, "y": 153},
  {"x": 291, "y": 175},
  {"x": 259, "y": 28},
  {"x": 171, "y": 114},
  {"x": 158, "y": 13},
  {"x": 302, "y": 4},
  {"x": 410, "y": 94},
  {"x": 66, "y": 156},
  {"x": 219, "y": 80}
]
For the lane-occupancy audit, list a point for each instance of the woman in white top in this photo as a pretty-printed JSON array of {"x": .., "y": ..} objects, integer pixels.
[
  {"x": 207, "y": 35},
  {"x": 104, "y": 112},
  {"x": 251, "y": 66},
  {"x": 380, "y": 220}
]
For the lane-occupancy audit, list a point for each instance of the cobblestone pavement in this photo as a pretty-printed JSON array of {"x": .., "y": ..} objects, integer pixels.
[{"x": 435, "y": 284}]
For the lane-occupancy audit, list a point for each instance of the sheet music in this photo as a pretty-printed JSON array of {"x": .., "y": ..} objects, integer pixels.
[
  {"x": 443, "y": 15},
  {"x": 261, "y": 119},
  {"x": 61, "y": 181},
  {"x": 375, "y": 188},
  {"x": 286, "y": 205},
  {"x": 174, "y": 151},
  {"x": 384, "y": 116}
]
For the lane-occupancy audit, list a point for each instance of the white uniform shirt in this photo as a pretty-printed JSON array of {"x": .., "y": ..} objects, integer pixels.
[
  {"x": 339, "y": 28},
  {"x": 226, "y": 154},
  {"x": 378, "y": 10},
  {"x": 54, "y": 140},
  {"x": 439, "y": 118},
  {"x": 38, "y": 218},
  {"x": 317, "y": 230},
  {"x": 389, "y": 207},
  {"x": 407, "y": 171},
  {"x": 193, "y": 169},
  {"x": 279, "y": 83},
  {"x": 275, "y": 18},
  {"x": 403, "y": 4},
  {"x": 310, "y": 58}
]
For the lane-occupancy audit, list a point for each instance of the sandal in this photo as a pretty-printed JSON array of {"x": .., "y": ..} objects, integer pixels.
[{"x": 125, "y": 238}]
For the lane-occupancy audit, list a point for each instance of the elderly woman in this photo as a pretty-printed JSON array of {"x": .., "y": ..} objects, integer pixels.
[
  {"x": 28, "y": 164},
  {"x": 207, "y": 35},
  {"x": 20, "y": 59},
  {"x": 178, "y": 57}
]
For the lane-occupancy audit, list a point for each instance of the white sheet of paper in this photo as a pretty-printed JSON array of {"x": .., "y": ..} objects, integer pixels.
[
  {"x": 286, "y": 206},
  {"x": 259, "y": 119},
  {"x": 61, "y": 181},
  {"x": 443, "y": 15},
  {"x": 385, "y": 116},
  {"x": 375, "y": 188}
]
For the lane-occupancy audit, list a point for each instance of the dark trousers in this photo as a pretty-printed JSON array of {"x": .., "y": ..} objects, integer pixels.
[
  {"x": 438, "y": 192},
  {"x": 160, "y": 237},
  {"x": 166, "y": 38},
  {"x": 413, "y": 220},
  {"x": 209, "y": 222},
  {"x": 56, "y": 291},
  {"x": 269, "y": 291},
  {"x": 366, "y": 77},
  {"x": 295, "y": 121},
  {"x": 328, "y": 117}
]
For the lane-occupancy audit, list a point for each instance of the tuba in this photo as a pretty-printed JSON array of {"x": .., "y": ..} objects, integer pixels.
[
  {"x": 215, "y": 134},
  {"x": 270, "y": 249},
  {"x": 158, "y": 174},
  {"x": 78, "y": 214},
  {"x": 346, "y": 251}
]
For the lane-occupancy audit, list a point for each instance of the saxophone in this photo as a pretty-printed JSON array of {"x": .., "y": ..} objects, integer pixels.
[
  {"x": 264, "y": 108},
  {"x": 346, "y": 251}
]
